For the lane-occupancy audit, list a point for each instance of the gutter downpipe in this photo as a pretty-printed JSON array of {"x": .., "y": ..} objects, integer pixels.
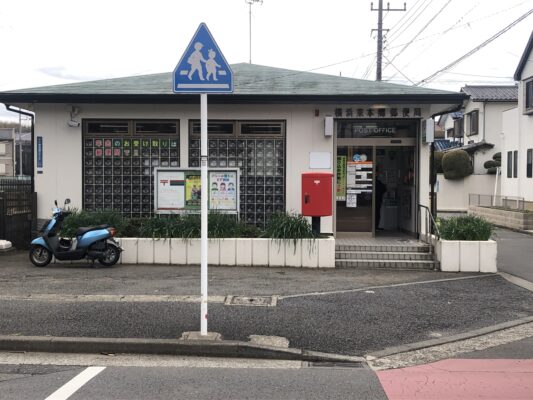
[{"x": 9, "y": 107}]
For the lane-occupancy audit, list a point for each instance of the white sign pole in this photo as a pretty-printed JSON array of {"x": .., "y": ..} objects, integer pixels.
[{"x": 204, "y": 215}]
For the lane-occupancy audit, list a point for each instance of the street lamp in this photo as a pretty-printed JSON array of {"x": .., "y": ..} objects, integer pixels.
[{"x": 250, "y": 3}]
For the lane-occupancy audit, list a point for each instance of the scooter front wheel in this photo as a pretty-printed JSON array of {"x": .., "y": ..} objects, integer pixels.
[
  {"x": 110, "y": 256},
  {"x": 40, "y": 256}
]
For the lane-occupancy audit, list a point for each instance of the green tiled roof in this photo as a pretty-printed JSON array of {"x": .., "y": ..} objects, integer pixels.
[{"x": 249, "y": 80}]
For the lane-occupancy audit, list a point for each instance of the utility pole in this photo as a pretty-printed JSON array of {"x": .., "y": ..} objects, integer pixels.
[
  {"x": 380, "y": 30},
  {"x": 250, "y": 3}
]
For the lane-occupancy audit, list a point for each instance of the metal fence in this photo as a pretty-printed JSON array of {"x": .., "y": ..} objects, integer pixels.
[
  {"x": 17, "y": 211},
  {"x": 505, "y": 202}
]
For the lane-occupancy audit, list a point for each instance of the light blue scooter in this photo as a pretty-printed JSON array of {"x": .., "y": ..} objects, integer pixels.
[{"x": 93, "y": 243}]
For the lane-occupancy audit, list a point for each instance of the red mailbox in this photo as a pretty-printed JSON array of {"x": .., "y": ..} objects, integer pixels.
[{"x": 317, "y": 194}]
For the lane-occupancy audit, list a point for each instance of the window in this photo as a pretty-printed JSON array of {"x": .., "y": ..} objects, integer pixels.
[
  {"x": 529, "y": 165},
  {"x": 515, "y": 164},
  {"x": 528, "y": 96},
  {"x": 474, "y": 122},
  {"x": 458, "y": 126},
  {"x": 258, "y": 149},
  {"x": 509, "y": 164},
  {"x": 118, "y": 162}
]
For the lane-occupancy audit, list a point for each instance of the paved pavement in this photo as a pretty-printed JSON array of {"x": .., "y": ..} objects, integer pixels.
[
  {"x": 515, "y": 253},
  {"x": 125, "y": 378},
  {"x": 344, "y": 311}
]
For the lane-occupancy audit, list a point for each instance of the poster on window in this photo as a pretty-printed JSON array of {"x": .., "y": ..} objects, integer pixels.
[
  {"x": 193, "y": 191},
  {"x": 223, "y": 190},
  {"x": 170, "y": 191},
  {"x": 179, "y": 190},
  {"x": 341, "y": 178}
]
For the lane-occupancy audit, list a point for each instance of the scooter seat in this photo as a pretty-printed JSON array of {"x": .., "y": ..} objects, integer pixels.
[{"x": 83, "y": 230}]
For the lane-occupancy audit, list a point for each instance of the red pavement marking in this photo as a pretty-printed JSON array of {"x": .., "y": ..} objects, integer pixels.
[{"x": 461, "y": 380}]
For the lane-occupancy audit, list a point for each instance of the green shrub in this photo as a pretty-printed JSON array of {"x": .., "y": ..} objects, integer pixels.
[
  {"x": 83, "y": 218},
  {"x": 467, "y": 227},
  {"x": 491, "y": 164},
  {"x": 492, "y": 171},
  {"x": 457, "y": 164},
  {"x": 497, "y": 156},
  {"x": 438, "y": 162},
  {"x": 288, "y": 226}
]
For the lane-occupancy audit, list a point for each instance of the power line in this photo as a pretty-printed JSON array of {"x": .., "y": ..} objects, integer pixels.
[
  {"x": 409, "y": 22},
  {"x": 419, "y": 32},
  {"x": 474, "y": 50},
  {"x": 400, "y": 72},
  {"x": 380, "y": 29}
]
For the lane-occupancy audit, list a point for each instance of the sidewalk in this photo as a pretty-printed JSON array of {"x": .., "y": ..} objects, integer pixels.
[{"x": 349, "y": 312}]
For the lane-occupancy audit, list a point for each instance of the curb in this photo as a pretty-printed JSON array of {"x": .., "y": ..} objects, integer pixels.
[
  {"x": 222, "y": 348},
  {"x": 449, "y": 339}
]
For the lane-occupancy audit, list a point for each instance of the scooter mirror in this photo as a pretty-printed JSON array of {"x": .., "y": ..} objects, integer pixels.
[
  {"x": 55, "y": 202},
  {"x": 67, "y": 201}
]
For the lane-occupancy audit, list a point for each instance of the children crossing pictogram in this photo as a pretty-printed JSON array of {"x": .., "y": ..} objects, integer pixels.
[{"x": 203, "y": 68}]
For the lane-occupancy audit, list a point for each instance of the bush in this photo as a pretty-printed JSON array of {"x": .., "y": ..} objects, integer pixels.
[
  {"x": 288, "y": 226},
  {"x": 491, "y": 164},
  {"x": 457, "y": 164},
  {"x": 83, "y": 218},
  {"x": 438, "y": 162},
  {"x": 497, "y": 156},
  {"x": 468, "y": 227}
]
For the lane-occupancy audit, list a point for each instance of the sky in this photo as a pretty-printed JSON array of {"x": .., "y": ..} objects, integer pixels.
[{"x": 58, "y": 41}]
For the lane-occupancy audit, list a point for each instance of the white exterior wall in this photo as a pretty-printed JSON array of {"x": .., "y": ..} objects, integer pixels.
[
  {"x": 489, "y": 127},
  {"x": 453, "y": 195},
  {"x": 518, "y": 135},
  {"x": 62, "y": 145}
]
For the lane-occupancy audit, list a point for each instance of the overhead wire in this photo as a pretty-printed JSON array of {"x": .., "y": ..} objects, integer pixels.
[
  {"x": 418, "y": 33},
  {"x": 373, "y": 53},
  {"x": 475, "y": 49}
]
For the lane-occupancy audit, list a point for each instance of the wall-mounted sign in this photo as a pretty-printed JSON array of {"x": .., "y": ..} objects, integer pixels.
[
  {"x": 178, "y": 190},
  {"x": 378, "y": 112},
  {"x": 428, "y": 130},
  {"x": 341, "y": 178},
  {"x": 39, "y": 152}
]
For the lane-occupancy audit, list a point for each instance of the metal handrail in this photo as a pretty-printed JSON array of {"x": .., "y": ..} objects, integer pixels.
[{"x": 432, "y": 220}]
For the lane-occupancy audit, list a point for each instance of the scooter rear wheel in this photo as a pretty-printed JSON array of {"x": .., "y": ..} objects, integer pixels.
[
  {"x": 40, "y": 256},
  {"x": 110, "y": 256}
]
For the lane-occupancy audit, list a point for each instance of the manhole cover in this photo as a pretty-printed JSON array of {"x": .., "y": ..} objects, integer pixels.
[{"x": 257, "y": 301}]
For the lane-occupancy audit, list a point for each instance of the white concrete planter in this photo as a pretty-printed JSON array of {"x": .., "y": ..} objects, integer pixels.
[
  {"x": 306, "y": 253},
  {"x": 467, "y": 256}
]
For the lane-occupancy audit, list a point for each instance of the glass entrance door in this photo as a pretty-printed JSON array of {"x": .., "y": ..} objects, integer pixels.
[{"x": 355, "y": 189}]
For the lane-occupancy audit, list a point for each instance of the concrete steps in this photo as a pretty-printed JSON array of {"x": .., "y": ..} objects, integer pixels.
[{"x": 379, "y": 256}]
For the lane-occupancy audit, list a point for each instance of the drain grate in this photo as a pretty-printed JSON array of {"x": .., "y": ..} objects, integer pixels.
[
  {"x": 336, "y": 364},
  {"x": 254, "y": 301}
]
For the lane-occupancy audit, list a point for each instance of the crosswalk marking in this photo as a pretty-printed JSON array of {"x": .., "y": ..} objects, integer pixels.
[{"x": 69, "y": 388}]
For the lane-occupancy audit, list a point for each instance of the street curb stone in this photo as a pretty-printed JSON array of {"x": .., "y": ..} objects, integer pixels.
[
  {"x": 221, "y": 348},
  {"x": 449, "y": 339}
]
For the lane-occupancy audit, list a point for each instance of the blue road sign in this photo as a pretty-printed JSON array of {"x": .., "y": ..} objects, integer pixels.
[{"x": 203, "y": 68}]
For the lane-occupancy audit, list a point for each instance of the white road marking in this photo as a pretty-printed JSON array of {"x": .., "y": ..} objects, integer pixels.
[
  {"x": 69, "y": 388},
  {"x": 370, "y": 288}
]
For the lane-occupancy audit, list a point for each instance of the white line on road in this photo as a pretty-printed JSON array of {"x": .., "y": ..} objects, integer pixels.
[
  {"x": 69, "y": 388},
  {"x": 367, "y": 288}
]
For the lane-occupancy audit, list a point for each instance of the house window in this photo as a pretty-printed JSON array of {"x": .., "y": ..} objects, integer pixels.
[
  {"x": 474, "y": 122},
  {"x": 515, "y": 164},
  {"x": 529, "y": 96},
  {"x": 458, "y": 126},
  {"x": 118, "y": 162},
  {"x": 529, "y": 165},
  {"x": 509, "y": 164}
]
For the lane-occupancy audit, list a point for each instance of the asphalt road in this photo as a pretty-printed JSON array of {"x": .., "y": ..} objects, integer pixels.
[
  {"x": 515, "y": 253},
  {"x": 18, "y": 276},
  {"x": 29, "y": 382},
  {"x": 352, "y": 323}
]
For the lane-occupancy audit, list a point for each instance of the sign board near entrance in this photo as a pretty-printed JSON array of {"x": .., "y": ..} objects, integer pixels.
[
  {"x": 202, "y": 67},
  {"x": 341, "y": 178},
  {"x": 178, "y": 191}
]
